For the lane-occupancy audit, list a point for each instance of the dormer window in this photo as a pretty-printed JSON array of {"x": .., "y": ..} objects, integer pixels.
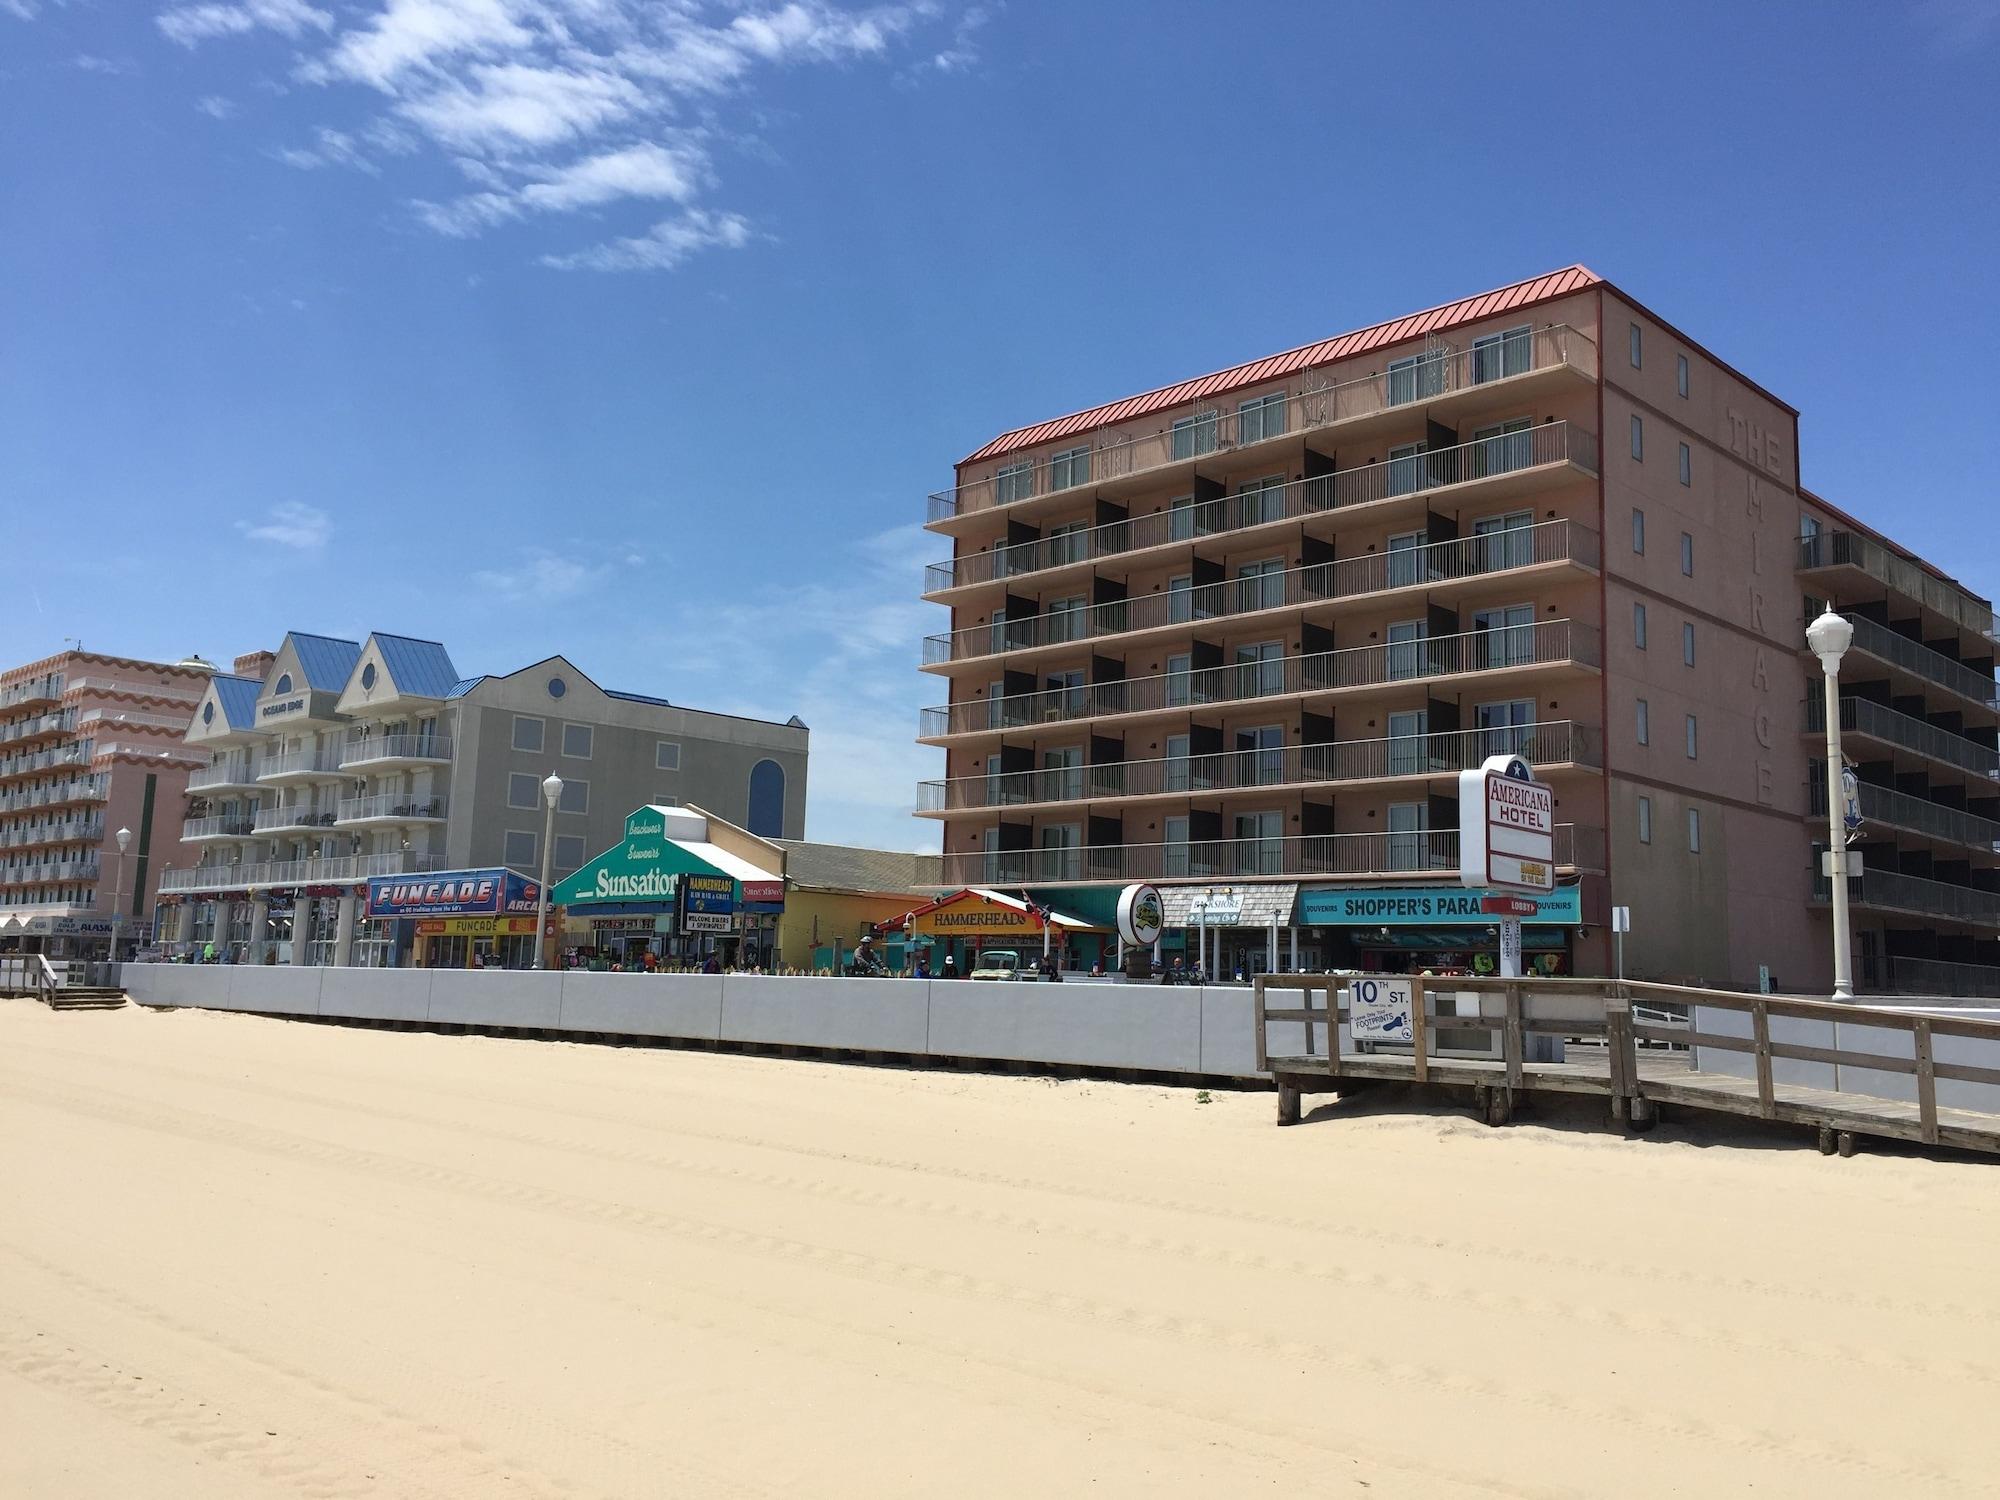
[{"x": 284, "y": 685}]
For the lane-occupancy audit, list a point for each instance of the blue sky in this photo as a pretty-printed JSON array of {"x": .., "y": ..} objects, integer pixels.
[{"x": 640, "y": 330}]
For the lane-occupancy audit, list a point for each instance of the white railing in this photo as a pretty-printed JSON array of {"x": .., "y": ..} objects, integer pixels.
[
  {"x": 1194, "y": 432},
  {"x": 45, "y": 760},
  {"x": 33, "y": 690},
  {"x": 383, "y": 747},
  {"x": 28, "y": 729},
  {"x": 90, "y": 788},
  {"x": 298, "y": 815},
  {"x": 49, "y": 873},
  {"x": 299, "y": 763},
  {"x": 234, "y": 771},
  {"x": 339, "y": 869},
  {"x": 400, "y": 807},
  {"x": 222, "y": 825},
  {"x": 76, "y": 831}
]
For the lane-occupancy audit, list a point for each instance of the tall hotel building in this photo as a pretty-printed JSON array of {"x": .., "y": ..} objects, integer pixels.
[{"x": 1239, "y": 635}]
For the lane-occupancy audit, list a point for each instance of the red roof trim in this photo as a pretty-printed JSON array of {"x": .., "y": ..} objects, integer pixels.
[{"x": 1342, "y": 346}]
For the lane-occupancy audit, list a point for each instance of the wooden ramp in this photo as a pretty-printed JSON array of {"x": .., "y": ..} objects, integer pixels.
[{"x": 1624, "y": 1043}]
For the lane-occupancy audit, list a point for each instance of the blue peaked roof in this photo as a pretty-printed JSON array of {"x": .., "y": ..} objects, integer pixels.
[
  {"x": 238, "y": 697},
  {"x": 465, "y": 685},
  {"x": 326, "y": 661},
  {"x": 420, "y": 669},
  {"x": 638, "y": 698}
]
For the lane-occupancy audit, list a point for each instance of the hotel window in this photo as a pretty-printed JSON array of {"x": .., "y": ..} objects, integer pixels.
[
  {"x": 1180, "y": 598},
  {"x": 569, "y": 851},
  {"x": 1261, "y": 585},
  {"x": 1070, "y": 467},
  {"x": 1638, "y": 530},
  {"x": 1498, "y": 354},
  {"x": 1176, "y": 777},
  {"x": 1687, "y": 465},
  {"x": 1687, "y": 554},
  {"x": 1261, "y": 417},
  {"x": 1068, "y": 544},
  {"x": 1645, "y": 820},
  {"x": 524, "y": 791},
  {"x": 1195, "y": 435},
  {"x": 996, "y": 709},
  {"x": 1403, "y": 558},
  {"x": 1633, "y": 345},
  {"x": 575, "y": 796},
  {"x": 1694, "y": 830},
  {"x": 1260, "y": 842},
  {"x": 1408, "y": 822},
  {"x": 1260, "y": 500},
  {"x": 1405, "y": 472},
  {"x": 666, "y": 755},
  {"x": 520, "y": 850},
  {"x": 1062, "y": 852},
  {"x": 1639, "y": 626},
  {"x": 1174, "y": 853},
  {"x": 1687, "y": 642},
  {"x": 577, "y": 741},
  {"x": 1014, "y": 482},
  {"x": 1639, "y": 439},
  {"x": 1417, "y": 377},
  {"x": 1643, "y": 724},
  {"x": 1064, "y": 619},
  {"x": 1681, "y": 375},
  {"x": 527, "y": 734},
  {"x": 1178, "y": 674},
  {"x": 1405, "y": 657},
  {"x": 1180, "y": 518},
  {"x": 1691, "y": 737}
]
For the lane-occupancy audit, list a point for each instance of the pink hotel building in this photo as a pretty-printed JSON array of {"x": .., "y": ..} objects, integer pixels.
[{"x": 1238, "y": 635}]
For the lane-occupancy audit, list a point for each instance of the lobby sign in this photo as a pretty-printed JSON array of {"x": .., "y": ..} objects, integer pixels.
[
  {"x": 456, "y": 893},
  {"x": 1424, "y": 906},
  {"x": 1506, "y": 827},
  {"x": 1380, "y": 1009}
]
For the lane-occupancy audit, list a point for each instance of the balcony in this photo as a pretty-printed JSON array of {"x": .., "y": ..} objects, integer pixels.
[
  {"x": 1561, "y": 745},
  {"x": 299, "y": 766},
  {"x": 1884, "y": 974},
  {"x": 1916, "y": 896},
  {"x": 90, "y": 788},
  {"x": 1357, "y": 855},
  {"x": 1882, "y": 807},
  {"x": 1431, "y": 570},
  {"x": 1848, "y": 557},
  {"x": 340, "y": 869},
  {"x": 1435, "y": 382},
  {"x": 1512, "y": 651},
  {"x": 389, "y": 807},
  {"x": 1917, "y": 665},
  {"x": 75, "y": 831},
  {"x": 36, "y": 762},
  {"x": 33, "y": 692},
  {"x": 39, "y": 727},
  {"x": 223, "y": 826},
  {"x": 1859, "y": 716},
  {"x": 234, "y": 774},
  {"x": 387, "y": 752},
  {"x": 299, "y": 818},
  {"x": 1491, "y": 468},
  {"x": 52, "y": 872}
]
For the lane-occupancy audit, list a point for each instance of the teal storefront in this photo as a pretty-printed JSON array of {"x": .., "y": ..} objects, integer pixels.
[{"x": 1401, "y": 929}]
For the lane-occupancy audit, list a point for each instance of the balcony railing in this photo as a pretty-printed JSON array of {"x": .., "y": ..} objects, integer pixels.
[
  {"x": 1546, "y": 643},
  {"x": 232, "y": 772},
  {"x": 45, "y": 760},
  {"x": 396, "y": 747},
  {"x": 41, "y": 724},
  {"x": 1899, "y": 810},
  {"x": 1914, "y": 657},
  {"x": 279, "y": 819},
  {"x": 1425, "y": 378},
  {"x": 1317, "y": 583},
  {"x": 1428, "y": 851},
  {"x": 1483, "y": 458},
  {"x": 56, "y": 872},
  {"x": 1861, "y": 716},
  {"x": 223, "y": 825},
  {"x": 1563, "y": 743},
  {"x": 299, "y": 763},
  {"x": 1837, "y": 549},
  {"x": 1884, "y": 974},
  {"x": 341, "y": 869},
  {"x": 75, "y": 831},
  {"x": 1917, "y": 896},
  {"x": 92, "y": 788},
  {"x": 44, "y": 689},
  {"x": 396, "y": 807}
]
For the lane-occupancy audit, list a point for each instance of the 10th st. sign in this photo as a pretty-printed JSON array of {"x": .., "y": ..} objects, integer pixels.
[{"x": 1506, "y": 827}]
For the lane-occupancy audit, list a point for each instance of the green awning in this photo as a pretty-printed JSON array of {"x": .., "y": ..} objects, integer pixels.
[{"x": 647, "y": 865}]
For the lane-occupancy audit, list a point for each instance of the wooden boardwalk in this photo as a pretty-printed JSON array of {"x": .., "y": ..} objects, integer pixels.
[{"x": 1636, "y": 1061}]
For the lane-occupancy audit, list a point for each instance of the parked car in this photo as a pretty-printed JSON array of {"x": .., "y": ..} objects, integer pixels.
[{"x": 998, "y": 963}]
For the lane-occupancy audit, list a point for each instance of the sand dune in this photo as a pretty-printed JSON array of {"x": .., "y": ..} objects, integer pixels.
[{"x": 243, "y": 1257}]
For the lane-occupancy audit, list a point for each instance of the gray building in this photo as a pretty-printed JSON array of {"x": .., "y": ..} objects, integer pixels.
[{"x": 332, "y": 761}]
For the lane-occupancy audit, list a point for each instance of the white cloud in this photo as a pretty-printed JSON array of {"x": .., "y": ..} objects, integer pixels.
[
  {"x": 660, "y": 248},
  {"x": 25, "y": 10},
  {"x": 292, "y": 524},
  {"x": 116, "y": 66},
  {"x": 215, "y": 106},
  {"x": 554, "y": 107},
  {"x": 541, "y": 576},
  {"x": 192, "y": 24}
]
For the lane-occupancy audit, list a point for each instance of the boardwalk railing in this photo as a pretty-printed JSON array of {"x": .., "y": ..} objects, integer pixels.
[{"x": 1823, "y": 1043}]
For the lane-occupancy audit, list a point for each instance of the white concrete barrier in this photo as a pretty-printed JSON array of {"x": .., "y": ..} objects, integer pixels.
[
  {"x": 175, "y": 984},
  {"x": 1109, "y": 1026},
  {"x": 523, "y": 999},
  {"x": 276, "y": 988},
  {"x": 687, "y": 1007},
  {"x": 377, "y": 994},
  {"x": 862, "y": 1015},
  {"x": 1710, "y": 1020}
]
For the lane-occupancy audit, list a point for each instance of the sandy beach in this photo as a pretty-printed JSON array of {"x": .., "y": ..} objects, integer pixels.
[{"x": 242, "y": 1257}]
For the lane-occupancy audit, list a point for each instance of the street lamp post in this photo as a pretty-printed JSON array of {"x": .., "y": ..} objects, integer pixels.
[
  {"x": 551, "y": 794},
  {"x": 118, "y": 890},
  {"x": 1830, "y": 636}
]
